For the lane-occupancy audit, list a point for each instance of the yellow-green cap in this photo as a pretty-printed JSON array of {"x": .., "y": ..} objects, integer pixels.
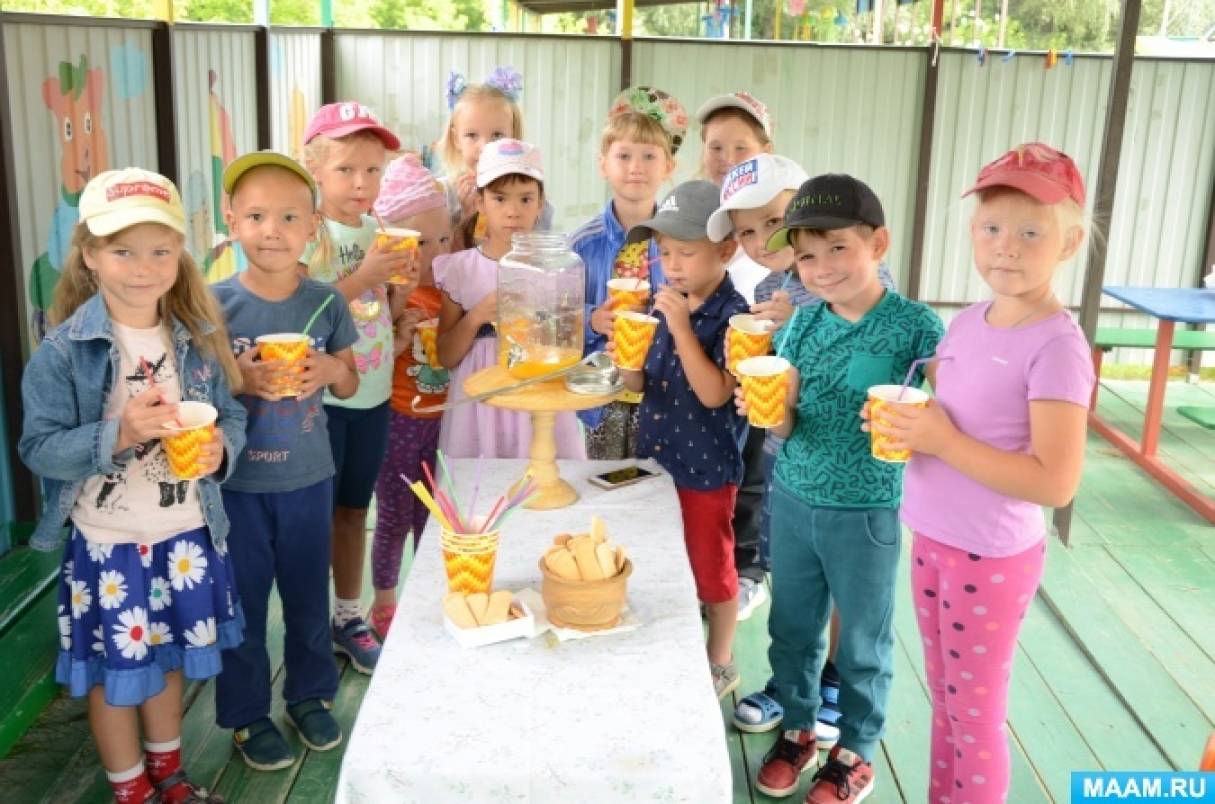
[{"x": 241, "y": 165}]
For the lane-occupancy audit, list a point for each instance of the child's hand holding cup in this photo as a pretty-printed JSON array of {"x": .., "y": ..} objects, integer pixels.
[
  {"x": 632, "y": 334},
  {"x": 881, "y": 399},
  {"x": 394, "y": 240},
  {"x": 765, "y": 382}
]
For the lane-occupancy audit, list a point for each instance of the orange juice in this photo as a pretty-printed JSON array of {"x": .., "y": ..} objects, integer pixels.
[
  {"x": 541, "y": 360},
  {"x": 882, "y": 397},
  {"x": 195, "y": 427},
  {"x": 407, "y": 240},
  {"x": 626, "y": 294},
  {"x": 292, "y": 349}
]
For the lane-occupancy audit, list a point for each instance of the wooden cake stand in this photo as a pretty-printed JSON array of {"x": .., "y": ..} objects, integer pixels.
[{"x": 543, "y": 401}]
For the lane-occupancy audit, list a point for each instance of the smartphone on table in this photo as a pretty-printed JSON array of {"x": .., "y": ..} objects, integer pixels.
[{"x": 625, "y": 476}]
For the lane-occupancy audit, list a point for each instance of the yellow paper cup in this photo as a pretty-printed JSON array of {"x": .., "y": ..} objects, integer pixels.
[
  {"x": 881, "y": 398},
  {"x": 468, "y": 559},
  {"x": 292, "y": 349},
  {"x": 632, "y": 334},
  {"x": 627, "y": 294},
  {"x": 765, "y": 384},
  {"x": 183, "y": 448},
  {"x": 747, "y": 336},
  {"x": 428, "y": 332},
  {"x": 407, "y": 241}
]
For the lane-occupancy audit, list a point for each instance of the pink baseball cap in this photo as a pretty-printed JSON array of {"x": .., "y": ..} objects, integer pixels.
[
  {"x": 408, "y": 189},
  {"x": 503, "y": 157},
  {"x": 1043, "y": 173},
  {"x": 344, "y": 118},
  {"x": 744, "y": 102}
]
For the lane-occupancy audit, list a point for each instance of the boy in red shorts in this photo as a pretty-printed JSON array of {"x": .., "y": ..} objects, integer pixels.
[{"x": 688, "y": 423}]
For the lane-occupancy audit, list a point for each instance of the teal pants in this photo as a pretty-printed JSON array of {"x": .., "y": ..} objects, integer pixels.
[{"x": 849, "y": 556}]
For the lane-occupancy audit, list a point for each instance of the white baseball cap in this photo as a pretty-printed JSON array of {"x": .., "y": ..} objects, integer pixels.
[
  {"x": 743, "y": 101},
  {"x": 750, "y": 185},
  {"x": 503, "y": 157},
  {"x": 118, "y": 199}
]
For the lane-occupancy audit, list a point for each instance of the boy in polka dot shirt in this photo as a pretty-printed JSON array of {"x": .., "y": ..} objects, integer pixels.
[
  {"x": 686, "y": 420},
  {"x": 834, "y": 508}
]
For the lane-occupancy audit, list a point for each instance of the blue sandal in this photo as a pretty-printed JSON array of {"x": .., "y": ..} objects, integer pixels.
[{"x": 759, "y": 712}]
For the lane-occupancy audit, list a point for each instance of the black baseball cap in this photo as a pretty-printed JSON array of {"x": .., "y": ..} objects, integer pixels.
[{"x": 830, "y": 201}]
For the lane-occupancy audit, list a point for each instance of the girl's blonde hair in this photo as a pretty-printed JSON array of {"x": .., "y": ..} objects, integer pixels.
[
  {"x": 761, "y": 136},
  {"x": 1068, "y": 214},
  {"x": 315, "y": 152},
  {"x": 189, "y": 301},
  {"x": 449, "y": 149},
  {"x": 635, "y": 127}
]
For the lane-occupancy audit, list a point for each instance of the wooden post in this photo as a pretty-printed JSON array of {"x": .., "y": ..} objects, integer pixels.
[
  {"x": 747, "y": 20},
  {"x": 777, "y": 13},
  {"x": 261, "y": 62},
  {"x": 1106, "y": 185},
  {"x": 326, "y": 15},
  {"x": 919, "y": 220},
  {"x": 164, "y": 93},
  {"x": 624, "y": 24}
]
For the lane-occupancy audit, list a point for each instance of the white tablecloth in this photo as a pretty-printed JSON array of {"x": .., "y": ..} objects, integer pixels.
[{"x": 626, "y": 717}]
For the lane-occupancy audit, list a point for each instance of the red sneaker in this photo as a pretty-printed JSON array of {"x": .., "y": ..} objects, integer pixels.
[
  {"x": 846, "y": 779},
  {"x": 792, "y": 754}
]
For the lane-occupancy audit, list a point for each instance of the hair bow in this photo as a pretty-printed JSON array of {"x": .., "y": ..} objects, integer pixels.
[{"x": 506, "y": 80}]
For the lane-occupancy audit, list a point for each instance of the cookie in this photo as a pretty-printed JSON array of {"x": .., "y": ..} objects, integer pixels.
[
  {"x": 456, "y": 609},
  {"x": 478, "y": 604},
  {"x": 588, "y": 563},
  {"x": 607, "y": 560},
  {"x": 499, "y": 606},
  {"x": 561, "y": 563}
]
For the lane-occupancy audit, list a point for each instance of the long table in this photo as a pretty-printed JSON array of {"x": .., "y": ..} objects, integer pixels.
[{"x": 622, "y": 717}]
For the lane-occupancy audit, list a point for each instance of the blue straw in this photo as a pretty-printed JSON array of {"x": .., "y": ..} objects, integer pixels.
[{"x": 780, "y": 348}]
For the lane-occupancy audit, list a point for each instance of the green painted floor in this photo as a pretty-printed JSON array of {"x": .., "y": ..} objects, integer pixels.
[{"x": 1116, "y": 666}]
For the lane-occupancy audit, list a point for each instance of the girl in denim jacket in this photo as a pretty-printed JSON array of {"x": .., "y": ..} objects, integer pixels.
[{"x": 145, "y": 595}]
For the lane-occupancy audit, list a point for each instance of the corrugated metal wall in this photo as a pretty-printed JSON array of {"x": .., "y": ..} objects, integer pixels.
[
  {"x": 568, "y": 84},
  {"x": 216, "y": 109},
  {"x": 56, "y": 152},
  {"x": 1157, "y": 232},
  {"x": 295, "y": 86},
  {"x": 852, "y": 110}
]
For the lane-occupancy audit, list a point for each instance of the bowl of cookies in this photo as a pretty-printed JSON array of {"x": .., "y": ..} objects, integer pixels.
[{"x": 584, "y": 580}]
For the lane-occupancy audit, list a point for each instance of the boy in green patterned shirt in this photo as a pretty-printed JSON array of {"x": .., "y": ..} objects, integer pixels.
[{"x": 835, "y": 528}]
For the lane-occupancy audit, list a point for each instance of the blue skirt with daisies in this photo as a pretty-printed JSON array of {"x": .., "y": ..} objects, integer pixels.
[{"x": 129, "y": 613}]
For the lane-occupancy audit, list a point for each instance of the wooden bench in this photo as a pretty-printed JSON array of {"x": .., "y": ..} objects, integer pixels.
[
  {"x": 28, "y": 639},
  {"x": 1189, "y": 340}
]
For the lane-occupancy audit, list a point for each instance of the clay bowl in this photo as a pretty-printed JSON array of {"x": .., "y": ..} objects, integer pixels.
[{"x": 584, "y": 605}]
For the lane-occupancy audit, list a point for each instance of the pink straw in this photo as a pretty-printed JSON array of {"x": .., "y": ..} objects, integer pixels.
[
  {"x": 146, "y": 368},
  {"x": 915, "y": 364}
]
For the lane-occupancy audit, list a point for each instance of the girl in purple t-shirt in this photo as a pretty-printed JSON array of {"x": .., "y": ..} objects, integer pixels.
[{"x": 1004, "y": 436}]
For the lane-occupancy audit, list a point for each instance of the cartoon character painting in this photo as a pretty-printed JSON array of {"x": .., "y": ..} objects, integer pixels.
[
  {"x": 224, "y": 258},
  {"x": 74, "y": 98}
]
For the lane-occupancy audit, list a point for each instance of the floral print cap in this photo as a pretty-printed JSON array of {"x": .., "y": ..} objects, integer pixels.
[{"x": 654, "y": 103}]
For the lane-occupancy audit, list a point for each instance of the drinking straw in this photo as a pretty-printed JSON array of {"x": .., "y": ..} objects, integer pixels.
[
  {"x": 451, "y": 486},
  {"x": 472, "y": 505},
  {"x": 784, "y": 339},
  {"x": 452, "y": 511},
  {"x": 429, "y": 502},
  {"x": 380, "y": 221},
  {"x": 915, "y": 364},
  {"x": 146, "y": 368},
  {"x": 489, "y": 518},
  {"x": 316, "y": 313}
]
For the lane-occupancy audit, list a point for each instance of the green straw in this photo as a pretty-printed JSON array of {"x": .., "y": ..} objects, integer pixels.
[{"x": 316, "y": 314}]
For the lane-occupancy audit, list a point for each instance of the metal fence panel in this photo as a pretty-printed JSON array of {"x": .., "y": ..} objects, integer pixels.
[{"x": 295, "y": 86}]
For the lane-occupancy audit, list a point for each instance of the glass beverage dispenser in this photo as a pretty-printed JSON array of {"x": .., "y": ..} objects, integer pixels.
[{"x": 541, "y": 288}]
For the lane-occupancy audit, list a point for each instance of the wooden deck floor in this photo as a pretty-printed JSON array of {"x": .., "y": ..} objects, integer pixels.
[{"x": 1115, "y": 667}]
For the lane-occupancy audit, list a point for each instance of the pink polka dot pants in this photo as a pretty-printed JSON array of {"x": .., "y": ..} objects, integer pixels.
[{"x": 969, "y": 609}]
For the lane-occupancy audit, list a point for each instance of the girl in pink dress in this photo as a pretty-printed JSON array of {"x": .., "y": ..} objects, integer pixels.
[{"x": 510, "y": 195}]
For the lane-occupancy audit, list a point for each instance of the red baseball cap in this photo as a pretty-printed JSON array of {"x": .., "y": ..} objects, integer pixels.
[
  {"x": 1036, "y": 169},
  {"x": 344, "y": 118}
]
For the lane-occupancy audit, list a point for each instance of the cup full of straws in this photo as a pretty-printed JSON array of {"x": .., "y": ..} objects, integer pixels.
[{"x": 469, "y": 540}]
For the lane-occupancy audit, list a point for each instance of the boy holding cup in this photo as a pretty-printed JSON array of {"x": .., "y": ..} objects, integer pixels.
[
  {"x": 835, "y": 528},
  {"x": 687, "y": 422}
]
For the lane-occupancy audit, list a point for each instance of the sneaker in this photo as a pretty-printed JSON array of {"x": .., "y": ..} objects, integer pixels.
[
  {"x": 381, "y": 620},
  {"x": 751, "y": 595},
  {"x": 316, "y": 726},
  {"x": 793, "y": 753},
  {"x": 263, "y": 746},
  {"x": 827, "y": 729},
  {"x": 845, "y": 779},
  {"x": 357, "y": 642},
  {"x": 725, "y": 678}
]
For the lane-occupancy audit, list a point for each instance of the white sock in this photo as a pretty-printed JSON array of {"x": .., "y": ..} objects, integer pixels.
[
  {"x": 126, "y": 775},
  {"x": 346, "y": 610},
  {"x": 161, "y": 748}
]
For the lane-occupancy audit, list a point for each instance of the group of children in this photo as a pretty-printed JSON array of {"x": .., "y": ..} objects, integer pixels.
[{"x": 166, "y": 579}]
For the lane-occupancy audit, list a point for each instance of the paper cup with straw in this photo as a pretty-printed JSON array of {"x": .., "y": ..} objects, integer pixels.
[
  {"x": 428, "y": 334},
  {"x": 469, "y": 558},
  {"x": 881, "y": 399},
  {"x": 292, "y": 349},
  {"x": 632, "y": 333},
  {"x": 747, "y": 336},
  {"x": 765, "y": 384},
  {"x": 195, "y": 426}
]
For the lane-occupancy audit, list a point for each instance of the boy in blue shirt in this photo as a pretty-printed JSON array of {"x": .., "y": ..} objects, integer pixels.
[
  {"x": 280, "y": 497},
  {"x": 687, "y": 422},
  {"x": 636, "y": 155},
  {"x": 834, "y": 529}
]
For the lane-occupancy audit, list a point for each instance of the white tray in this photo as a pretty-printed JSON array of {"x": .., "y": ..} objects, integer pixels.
[{"x": 489, "y": 634}]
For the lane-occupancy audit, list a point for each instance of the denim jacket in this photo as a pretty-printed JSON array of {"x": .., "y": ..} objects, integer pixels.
[{"x": 65, "y": 437}]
